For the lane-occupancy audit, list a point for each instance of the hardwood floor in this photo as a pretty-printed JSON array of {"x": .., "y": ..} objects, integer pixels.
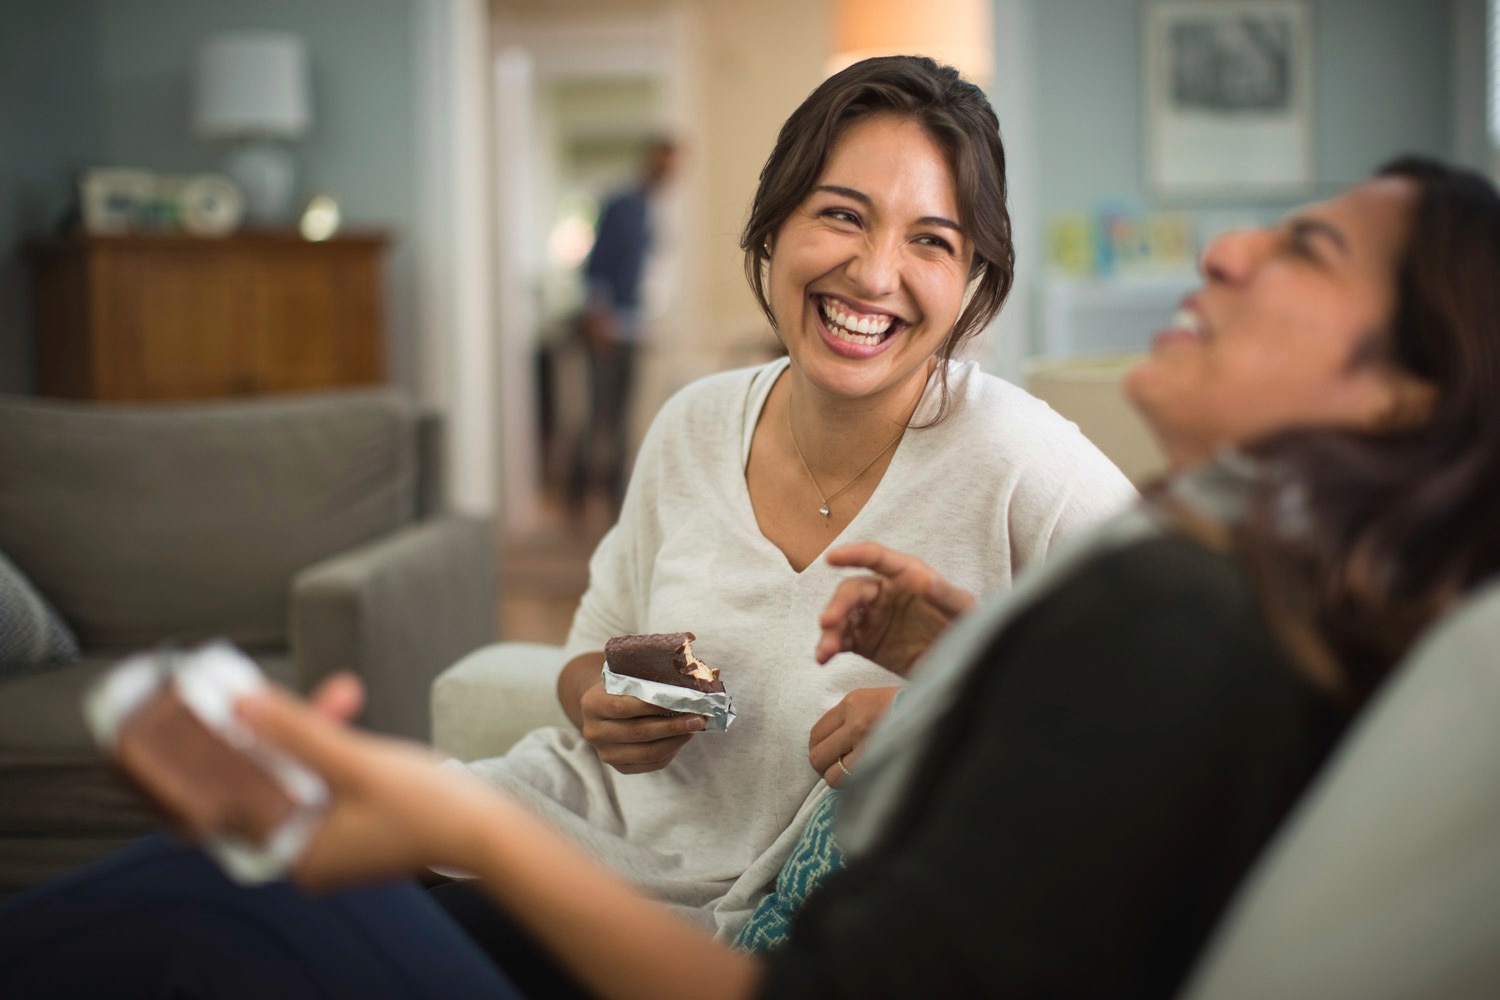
[{"x": 545, "y": 572}]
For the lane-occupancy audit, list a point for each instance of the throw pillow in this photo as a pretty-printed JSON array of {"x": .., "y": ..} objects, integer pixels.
[
  {"x": 815, "y": 857},
  {"x": 33, "y": 637}
]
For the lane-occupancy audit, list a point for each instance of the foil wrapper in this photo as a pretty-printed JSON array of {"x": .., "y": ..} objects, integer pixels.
[
  {"x": 208, "y": 680},
  {"x": 717, "y": 709}
]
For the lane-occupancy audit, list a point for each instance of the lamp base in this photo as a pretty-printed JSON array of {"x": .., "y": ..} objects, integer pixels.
[{"x": 265, "y": 171}]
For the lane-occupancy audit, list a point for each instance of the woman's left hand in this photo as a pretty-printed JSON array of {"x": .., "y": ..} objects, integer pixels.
[
  {"x": 392, "y": 809},
  {"x": 840, "y": 733}
]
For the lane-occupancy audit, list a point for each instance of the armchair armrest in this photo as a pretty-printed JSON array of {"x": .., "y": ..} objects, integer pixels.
[
  {"x": 485, "y": 702},
  {"x": 397, "y": 611}
]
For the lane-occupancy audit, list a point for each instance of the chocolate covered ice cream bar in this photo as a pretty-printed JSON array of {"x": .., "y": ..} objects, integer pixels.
[
  {"x": 663, "y": 657},
  {"x": 203, "y": 782}
]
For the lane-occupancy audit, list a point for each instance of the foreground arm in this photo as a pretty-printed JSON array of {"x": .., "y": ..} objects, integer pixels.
[
  {"x": 393, "y": 811},
  {"x": 1120, "y": 755}
]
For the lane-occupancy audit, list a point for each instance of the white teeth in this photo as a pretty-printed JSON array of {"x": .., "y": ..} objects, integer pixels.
[
  {"x": 1186, "y": 319},
  {"x": 857, "y": 330},
  {"x": 869, "y": 340}
]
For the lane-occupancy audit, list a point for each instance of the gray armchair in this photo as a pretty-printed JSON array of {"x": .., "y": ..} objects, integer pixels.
[{"x": 308, "y": 530}]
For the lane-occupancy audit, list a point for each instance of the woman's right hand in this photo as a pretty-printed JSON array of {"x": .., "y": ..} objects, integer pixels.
[
  {"x": 628, "y": 734},
  {"x": 631, "y": 736},
  {"x": 891, "y": 617}
]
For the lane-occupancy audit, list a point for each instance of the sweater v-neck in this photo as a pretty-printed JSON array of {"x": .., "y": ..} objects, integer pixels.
[{"x": 760, "y": 391}]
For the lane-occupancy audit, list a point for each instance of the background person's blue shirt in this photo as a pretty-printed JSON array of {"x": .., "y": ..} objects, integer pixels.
[{"x": 618, "y": 260}]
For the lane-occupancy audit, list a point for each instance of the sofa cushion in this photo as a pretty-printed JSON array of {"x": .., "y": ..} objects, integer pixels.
[
  {"x": 187, "y": 521},
  {"x": 32, "y": 636},
  {"x": 44, "y": 712},
  {"x": 63, "y": 810},
  {"x": 489, "y": 699}
]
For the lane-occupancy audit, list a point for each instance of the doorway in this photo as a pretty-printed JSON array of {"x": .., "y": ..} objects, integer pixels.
[{"x": 577, "y": 98}]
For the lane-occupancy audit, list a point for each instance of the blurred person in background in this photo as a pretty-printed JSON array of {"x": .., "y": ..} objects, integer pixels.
[{"x": 611, "y": 325}]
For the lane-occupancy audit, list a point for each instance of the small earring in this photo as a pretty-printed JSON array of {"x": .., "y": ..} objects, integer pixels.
[{"x": 766, "y": 246}]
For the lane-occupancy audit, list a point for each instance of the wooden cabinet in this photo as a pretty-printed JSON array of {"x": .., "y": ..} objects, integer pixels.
[{"x": 181, "y": 317}]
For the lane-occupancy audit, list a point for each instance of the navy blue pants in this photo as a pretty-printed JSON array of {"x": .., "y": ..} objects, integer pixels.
[
  {"x": 604, "y": 446},
  {"x": 161, "y": 920}
]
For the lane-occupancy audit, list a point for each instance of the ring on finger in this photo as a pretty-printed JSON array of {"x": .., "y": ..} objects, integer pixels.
[{"x": 843, "y": 767}]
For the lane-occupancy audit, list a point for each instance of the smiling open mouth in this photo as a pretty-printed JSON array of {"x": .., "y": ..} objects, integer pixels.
[
  {"x": 1189, "y": 322},
  {"x": 864, "y": 329}
]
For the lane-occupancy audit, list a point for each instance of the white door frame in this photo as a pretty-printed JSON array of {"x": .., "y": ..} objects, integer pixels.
[
  {"x": 528, "y": 51},
  {"x": 453, "y": 241}
]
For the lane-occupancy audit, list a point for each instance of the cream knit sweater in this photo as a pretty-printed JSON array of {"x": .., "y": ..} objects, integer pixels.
[{"x": 978, "y": 497}]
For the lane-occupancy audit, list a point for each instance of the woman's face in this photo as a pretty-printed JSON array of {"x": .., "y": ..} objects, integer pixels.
[
  {"x": 1275, "y": 338},
  {"x": 867, "y": 275}
]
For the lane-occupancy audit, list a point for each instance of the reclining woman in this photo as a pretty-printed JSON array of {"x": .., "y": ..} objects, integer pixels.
[
  {"x": 1080, "y": 771},
  {"x": 877, "y": 245}
]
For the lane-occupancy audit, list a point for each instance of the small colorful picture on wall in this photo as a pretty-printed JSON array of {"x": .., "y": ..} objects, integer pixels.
[{"x": 1228, "y": 98}]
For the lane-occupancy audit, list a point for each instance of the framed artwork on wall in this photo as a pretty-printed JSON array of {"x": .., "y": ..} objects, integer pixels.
[{"x": 1228, "y": 96}]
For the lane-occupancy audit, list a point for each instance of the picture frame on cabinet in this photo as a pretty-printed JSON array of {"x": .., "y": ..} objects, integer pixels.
[{"x": 116, "y": 201}]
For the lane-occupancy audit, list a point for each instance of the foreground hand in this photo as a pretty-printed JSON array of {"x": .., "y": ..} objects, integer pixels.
[
  {"x": 391, "y": 810},
  {"x": 339, "y": 698},
  {"x": 840, "y": 733},
  {"x": 891, "y": 617},
  {"x": 631, "y": 736}
]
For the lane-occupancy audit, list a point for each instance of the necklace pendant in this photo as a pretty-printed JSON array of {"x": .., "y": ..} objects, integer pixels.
[{"x": 823, "y": 510}]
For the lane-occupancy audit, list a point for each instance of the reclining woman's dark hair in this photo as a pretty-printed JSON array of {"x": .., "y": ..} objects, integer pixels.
[
  {"x": 957, "y": 116},
  {"x": 1360, "y": 540}
]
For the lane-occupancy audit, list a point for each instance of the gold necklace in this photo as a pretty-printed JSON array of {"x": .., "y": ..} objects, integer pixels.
[{"x": 824, "y": 510}]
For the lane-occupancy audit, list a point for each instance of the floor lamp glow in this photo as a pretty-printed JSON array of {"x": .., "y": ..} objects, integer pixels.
[
  {"x": 957, "y": 32},
  {"x": 252, "y": 88}
]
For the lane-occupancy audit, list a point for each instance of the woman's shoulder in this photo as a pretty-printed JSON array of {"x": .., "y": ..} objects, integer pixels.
[
  {"x": 976, "y": 398},
  {"x": 987, "y": 412},
  {"x": 716, "y": 401},
  {"x": 725, "y": 391}
]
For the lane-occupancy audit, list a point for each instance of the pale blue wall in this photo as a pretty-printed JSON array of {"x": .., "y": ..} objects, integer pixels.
[
  {"x": 1383, "y": 83},
  {"x": 362, "y": 147},
  {"x": 1471, "y": 142},
  {"x": 109, "y": 82},
  {"x": 49, "y": 128}
]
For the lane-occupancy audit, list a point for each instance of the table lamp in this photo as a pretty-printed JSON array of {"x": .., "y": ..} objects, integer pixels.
[{"x": 252, "y": 88}]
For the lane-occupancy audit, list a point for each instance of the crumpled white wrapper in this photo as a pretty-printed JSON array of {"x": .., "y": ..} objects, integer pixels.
[
  {"x": 717, "y": 708},
  {"x": 209, "y": 679}
]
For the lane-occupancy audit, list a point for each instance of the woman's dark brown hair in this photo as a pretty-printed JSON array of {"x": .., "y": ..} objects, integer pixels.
[
  {"x": 1360, "y": 540},
  {"x": 957, "y": 116}
]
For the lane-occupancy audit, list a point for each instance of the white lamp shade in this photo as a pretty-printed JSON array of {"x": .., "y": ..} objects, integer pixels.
[{"x": 252, "y": 83}]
